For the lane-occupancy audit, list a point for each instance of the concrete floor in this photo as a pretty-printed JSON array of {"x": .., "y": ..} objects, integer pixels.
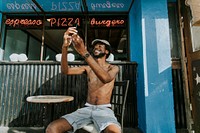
[
  {"x": 21, "y": 129},
  {"x": 41, "y": 130}
]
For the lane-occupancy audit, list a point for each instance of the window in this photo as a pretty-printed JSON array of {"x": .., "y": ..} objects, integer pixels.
[
  {"x": 29, "y": 38},
  {"x": 15, "y": 43},
  {"x": 174, "y": 31},
  {"x": 195, "y": 32}
]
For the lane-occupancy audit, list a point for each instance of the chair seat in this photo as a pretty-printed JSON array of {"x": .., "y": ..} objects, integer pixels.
[{"x": 90, "y": 128}]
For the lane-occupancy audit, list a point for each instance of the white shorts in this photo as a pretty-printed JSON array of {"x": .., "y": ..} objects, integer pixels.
[{"x": 102, "y": 116}]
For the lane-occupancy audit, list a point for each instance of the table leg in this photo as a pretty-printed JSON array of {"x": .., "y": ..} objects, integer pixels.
[
  {"x": 52, "y": 112},
  {"x": 48, "y": 114}
]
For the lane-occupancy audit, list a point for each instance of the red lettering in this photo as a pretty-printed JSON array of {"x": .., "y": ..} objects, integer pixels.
[
  {"x": 64, "y": 22},
  {"x": 52, "y": 21},
  {"x": 92, "y": 22},
  {"x": 77, "y": 21},
  {"x": 7, "y": 22},
  {"x": 16, "y": 22},
  {"x": 58, "y": 23},
  {"x": 23, "y": 22},
  {"x": 107, "y": 23},
  {"x": 70, "y": 23}
]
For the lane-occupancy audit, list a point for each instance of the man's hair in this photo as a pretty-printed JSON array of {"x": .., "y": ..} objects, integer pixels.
[
  {"x": 107, "y": 47},
  {"x": 109, "y": 50},
  {"x": 104, "y": 42}
]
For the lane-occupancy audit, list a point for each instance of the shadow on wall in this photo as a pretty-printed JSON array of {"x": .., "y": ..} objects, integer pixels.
[
  {"x": 22, "y": 130},
  {"x": 20, "y": 80},
  {"x": 39, "y": 115}
]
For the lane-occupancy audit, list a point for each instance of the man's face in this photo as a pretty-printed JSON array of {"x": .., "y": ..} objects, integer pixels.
[{"x": 99, "y": 50}]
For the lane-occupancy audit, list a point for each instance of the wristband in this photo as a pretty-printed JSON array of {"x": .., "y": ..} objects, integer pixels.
[{"x": 86, "y": 55}]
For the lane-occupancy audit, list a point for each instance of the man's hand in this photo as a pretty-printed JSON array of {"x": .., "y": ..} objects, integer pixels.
[
  {"x": 78, "y": 44},
  {"x": 67, "y": 38}
]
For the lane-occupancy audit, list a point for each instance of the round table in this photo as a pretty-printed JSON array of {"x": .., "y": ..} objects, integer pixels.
[{"x": 50, "y": 100}]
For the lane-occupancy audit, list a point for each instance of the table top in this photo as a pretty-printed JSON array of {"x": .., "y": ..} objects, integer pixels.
[{"x": 49, "y": 99}]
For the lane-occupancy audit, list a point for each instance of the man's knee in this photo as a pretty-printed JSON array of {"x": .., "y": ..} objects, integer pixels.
[
  {"x": 113, "y": 129},
  {"x": 52, "y": 128},
  {"x": 58, "y": 126}
]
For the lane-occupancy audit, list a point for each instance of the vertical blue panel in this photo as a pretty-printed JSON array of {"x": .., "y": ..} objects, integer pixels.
[
  {"x": 1, "y": 51},
  {"x": 136, "y": 50},
  {"x": 150, "y": 47},
  {"x": 0, "y": 21},
  {"x": 0, "y": 16},
  {"x": 1, "y": 5},
  {"x": 157, "y": 62}
]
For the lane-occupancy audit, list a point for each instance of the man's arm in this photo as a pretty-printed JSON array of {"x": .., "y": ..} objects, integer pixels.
[
  {"x": 65, "y": 69},
  {"x": 103, "y": 75}
]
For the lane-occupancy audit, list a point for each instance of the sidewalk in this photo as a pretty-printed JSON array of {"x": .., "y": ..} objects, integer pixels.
[
  {"x": 41, "y": 130},
  {"x": 21, "y": 129}
]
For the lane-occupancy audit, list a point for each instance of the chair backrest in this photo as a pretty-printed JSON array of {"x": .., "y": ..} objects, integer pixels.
[{"x": 118, "y": 99}]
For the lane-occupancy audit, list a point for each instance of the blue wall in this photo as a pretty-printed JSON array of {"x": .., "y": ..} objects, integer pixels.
[
  {"x": 136, "y": 50},
  {"x": 150, "y": 47},
  {"x": 0, "y": 14},
  {"x": 1, "y": 51},
  {"x": 0, "y": 20}
]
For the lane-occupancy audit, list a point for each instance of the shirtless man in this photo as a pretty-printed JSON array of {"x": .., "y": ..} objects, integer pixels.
[{"x": 101, "y": 77}]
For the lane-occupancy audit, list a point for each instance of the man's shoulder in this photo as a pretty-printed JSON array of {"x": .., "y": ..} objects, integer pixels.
[{"x": 116, "y": 67}]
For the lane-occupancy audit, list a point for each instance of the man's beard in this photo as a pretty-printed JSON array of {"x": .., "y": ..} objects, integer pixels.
[{"x": 99, "y": 55}]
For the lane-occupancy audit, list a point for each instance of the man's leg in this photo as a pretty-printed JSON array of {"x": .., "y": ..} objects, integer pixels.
[
  {"x": 59, "y": 126},
  {"x": 112, "y": 129}
]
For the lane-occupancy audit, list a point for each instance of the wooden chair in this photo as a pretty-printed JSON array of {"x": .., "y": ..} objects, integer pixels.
[{"x": 118, "y": 102}]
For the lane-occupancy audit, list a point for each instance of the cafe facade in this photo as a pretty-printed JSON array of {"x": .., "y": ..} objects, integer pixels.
[{"x": 148, "y": 42}]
